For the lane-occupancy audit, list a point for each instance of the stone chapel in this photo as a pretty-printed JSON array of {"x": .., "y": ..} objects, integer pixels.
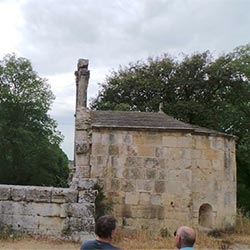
[{"x": 158, "y": 171}]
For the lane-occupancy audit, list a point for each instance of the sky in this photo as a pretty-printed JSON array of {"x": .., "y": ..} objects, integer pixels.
[{"x": 54, "y": 34}]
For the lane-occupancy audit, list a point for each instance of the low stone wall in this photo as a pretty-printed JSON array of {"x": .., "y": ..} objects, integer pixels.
[{"x": 62, "y": 213}]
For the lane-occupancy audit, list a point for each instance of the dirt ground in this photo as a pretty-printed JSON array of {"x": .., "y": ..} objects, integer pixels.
[
  {"x": 47, "y": 244},
  {"x": 238, "y": 246},
  {"x": 37, "y": 244}
]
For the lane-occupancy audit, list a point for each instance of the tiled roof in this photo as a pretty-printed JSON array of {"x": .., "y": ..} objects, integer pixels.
[{"x": 144, "y": 120}]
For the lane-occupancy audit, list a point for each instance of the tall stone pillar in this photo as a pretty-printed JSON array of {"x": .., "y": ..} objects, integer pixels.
[
  {"x": 82, "y": 147},
  {"x": 82, "y": 81}
]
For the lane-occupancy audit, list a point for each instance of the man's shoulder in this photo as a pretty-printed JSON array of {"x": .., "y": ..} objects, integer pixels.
[
  {"x": 95, "y": 244},
  {"x": 113, "y": 247},
  {"x": 89, "y": 244}
]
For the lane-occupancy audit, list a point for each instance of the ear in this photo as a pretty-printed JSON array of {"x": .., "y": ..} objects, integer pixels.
[
  {"x": 112, "y": 233},
  {"x": 178, "y": 241}
]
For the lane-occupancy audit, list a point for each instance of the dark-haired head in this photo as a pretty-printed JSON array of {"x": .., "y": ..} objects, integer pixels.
[{"x": 104, "y": 226}]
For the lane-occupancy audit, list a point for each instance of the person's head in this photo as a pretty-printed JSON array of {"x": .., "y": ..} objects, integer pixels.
[
  {"x": 185, "y": 237},
  {"x": 104, "y": 226}
]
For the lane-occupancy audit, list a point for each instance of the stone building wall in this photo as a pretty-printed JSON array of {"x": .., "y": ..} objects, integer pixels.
[
  {"x": 171, "y": 178},
  {"x": 58, "y": 212}
]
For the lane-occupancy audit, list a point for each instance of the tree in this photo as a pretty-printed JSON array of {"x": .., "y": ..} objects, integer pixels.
[
  {"x": 197, "y": 89},
  {"x": 138, "y": 87},
  {"x": 29, "y": 149},
  {"x": 240, "y": 60}
]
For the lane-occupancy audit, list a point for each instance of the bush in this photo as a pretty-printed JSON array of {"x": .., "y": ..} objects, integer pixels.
[
  {"x": 103, "y": 205},
  {"x": 7, "y": 232}
]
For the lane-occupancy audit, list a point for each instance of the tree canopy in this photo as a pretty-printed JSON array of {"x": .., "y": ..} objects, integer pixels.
[
  {"x": 30, "y": 151},
  {"x": 198, "y": 89}
]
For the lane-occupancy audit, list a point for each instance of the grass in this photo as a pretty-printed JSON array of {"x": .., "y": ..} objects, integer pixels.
[
  {"x": 241, "y": 232},
  {"x": 146, "y": 240}
]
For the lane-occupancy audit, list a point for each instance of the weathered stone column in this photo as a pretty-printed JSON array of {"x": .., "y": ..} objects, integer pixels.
[
  {"x": 82, "y": 125},
  {"x": 82, "y": 81}
]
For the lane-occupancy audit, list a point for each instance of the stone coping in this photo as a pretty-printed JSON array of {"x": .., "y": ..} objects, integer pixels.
[{"x": 38, "y": 194}]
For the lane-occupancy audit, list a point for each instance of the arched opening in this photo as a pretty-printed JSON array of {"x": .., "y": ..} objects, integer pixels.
[{"x": 206, "y": 215}]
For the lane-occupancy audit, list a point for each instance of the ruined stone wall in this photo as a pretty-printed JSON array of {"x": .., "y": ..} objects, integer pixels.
[
  {"x": 171, "y": 178},
  {"x": 59, "y": 212}
]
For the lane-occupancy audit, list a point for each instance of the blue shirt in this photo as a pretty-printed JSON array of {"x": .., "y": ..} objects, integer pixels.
[
  {"x": 96, "y": 244},
  {"x": 186, "y": 248}
]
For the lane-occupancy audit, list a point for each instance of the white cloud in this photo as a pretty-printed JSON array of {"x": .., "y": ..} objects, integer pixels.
[
  {"x": 10, "y": 22},
  {"x": 55, "y": 34}
]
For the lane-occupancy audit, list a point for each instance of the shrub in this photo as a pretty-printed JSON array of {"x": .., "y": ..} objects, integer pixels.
[
  {"x": 7, "y": 232},
  {"x": 103, "y": 205}
]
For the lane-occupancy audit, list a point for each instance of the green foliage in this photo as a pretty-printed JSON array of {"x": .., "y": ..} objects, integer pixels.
[
  {"x": 197, "y": 89},
  {"x": 29, "y": 149},
  {"x": 137, "y": 87},
  {"x": 7, "y": 232},
  {"x": 103, "y": 205}
]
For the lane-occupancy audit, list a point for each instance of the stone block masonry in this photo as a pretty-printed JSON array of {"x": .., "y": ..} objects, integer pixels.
[
  {"x": 166, "y": 179},
  {"x": 63, "y": 213}
]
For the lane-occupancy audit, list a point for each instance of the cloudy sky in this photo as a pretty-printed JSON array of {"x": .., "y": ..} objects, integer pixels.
[{"x": 54, "y": 34}]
